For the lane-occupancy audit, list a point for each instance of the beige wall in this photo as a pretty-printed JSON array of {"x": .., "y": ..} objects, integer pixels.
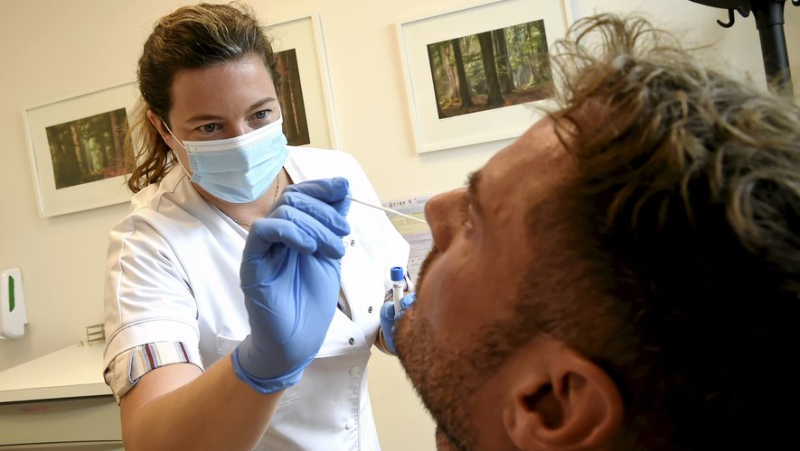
[{"x": 55, "y": 49}]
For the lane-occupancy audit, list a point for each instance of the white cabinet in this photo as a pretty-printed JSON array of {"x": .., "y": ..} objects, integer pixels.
[{"x": 59, "y": 401}]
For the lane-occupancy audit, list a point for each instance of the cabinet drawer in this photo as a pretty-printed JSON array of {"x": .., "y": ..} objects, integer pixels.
[
  {"x": 71, "y": 446},
  {"x": 92, "y": 421}
]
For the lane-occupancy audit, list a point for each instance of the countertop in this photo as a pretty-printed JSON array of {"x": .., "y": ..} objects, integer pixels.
[{"x": 72, "y": 372}]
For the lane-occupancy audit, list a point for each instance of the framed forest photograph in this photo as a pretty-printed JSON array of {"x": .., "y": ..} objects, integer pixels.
[
  {"x": 472, "y": 75},
  {"x": 492, "y": 69},
  {"x": 303, "y": 86},
  {"x": 76, "y": 150}
]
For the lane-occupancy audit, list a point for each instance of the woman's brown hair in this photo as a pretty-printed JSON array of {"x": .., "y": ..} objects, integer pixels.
[{"x": 191, "y": 37}]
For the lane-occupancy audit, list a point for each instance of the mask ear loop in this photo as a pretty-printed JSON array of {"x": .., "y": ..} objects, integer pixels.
[{"x": 164, "y": 123}]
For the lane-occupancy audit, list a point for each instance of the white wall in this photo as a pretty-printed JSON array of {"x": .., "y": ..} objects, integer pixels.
[{"x": 55, "y": 49}]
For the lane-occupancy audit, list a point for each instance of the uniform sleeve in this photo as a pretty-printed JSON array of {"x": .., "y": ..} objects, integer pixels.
[
  {"x": 147, "y": 295},
  {"x": 128, "y": 367}
]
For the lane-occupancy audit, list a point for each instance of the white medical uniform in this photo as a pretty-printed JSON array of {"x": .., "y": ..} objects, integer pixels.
[{"x": 173, "y": 276}]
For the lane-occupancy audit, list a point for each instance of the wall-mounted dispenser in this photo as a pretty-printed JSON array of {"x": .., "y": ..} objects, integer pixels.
[{"x": 13, "y": 315}]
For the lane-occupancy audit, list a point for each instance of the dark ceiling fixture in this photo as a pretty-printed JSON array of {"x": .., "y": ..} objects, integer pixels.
[{"x": 769, "y": 21}]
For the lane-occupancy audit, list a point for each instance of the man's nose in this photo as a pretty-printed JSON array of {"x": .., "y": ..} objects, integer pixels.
[{"x": 443, "y": 213}]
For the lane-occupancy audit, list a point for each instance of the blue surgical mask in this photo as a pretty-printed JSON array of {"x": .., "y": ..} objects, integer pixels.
[{"x": 239, "y": 169}]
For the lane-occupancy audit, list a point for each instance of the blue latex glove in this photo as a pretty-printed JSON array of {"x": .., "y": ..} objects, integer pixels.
[
  {"x": 389, "y": 318},
  {"x": 290, "y": 280}
]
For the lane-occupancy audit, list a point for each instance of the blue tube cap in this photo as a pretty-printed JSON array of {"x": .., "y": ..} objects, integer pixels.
[{"x": 397, "y": 274}]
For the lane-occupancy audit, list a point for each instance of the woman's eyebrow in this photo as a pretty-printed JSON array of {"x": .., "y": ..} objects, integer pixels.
[
  {"x": 263, "y": 102},
  {"x": 215, "y": 117}
]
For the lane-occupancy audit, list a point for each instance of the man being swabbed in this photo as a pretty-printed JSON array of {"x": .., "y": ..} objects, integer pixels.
[{"x": 626, "y": 275}]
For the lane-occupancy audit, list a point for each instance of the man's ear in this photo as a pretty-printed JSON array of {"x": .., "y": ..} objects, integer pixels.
[
  {"x": 562, "y": 401},
  {"x": 159, "y": 125}
]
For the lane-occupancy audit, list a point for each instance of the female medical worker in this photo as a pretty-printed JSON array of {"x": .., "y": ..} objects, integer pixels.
[{"x": 223, "y": 326}]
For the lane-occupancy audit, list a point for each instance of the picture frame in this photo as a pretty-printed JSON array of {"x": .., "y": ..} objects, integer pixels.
[
  {"x": 76, "y": 150},
  {"x": 304, "y": 88},
  {"x": 453, "y": 98}
]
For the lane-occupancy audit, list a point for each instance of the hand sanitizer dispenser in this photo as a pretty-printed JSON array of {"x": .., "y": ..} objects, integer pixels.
[{"x": 13, "y": 315}]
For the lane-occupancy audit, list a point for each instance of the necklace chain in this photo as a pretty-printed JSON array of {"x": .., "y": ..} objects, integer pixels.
[{"x": 274, "y": 199}]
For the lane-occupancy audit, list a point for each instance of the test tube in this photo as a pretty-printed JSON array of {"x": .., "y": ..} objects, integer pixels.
[{"x": 398, "y": 287}]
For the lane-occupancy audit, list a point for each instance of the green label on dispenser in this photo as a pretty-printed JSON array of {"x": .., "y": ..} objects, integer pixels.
[{"x": 10, "y": 294}]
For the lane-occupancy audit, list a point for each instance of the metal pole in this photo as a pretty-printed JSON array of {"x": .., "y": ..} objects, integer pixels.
[{"x": 769, "y": 21}]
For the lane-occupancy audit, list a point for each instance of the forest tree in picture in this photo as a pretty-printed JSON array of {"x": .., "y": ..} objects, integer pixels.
[
  {"x": 87, "y": 149},
  {"x": 492, "y": 69},
  {"x": 290, "y": 96}
]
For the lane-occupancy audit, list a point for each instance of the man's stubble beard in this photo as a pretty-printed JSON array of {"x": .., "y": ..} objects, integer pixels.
[
  {"x": 447, "y": 379},
  {"x": 441, "y": 378}
]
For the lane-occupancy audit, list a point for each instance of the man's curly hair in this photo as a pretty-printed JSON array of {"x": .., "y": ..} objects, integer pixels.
[{"x": 684, "y": 219}]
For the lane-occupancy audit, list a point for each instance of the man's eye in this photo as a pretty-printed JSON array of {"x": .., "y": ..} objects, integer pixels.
[{"x": 464, "y": 212}]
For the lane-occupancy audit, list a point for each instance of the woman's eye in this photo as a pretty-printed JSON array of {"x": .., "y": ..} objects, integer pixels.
[
  {"x": 261, "y": 114},
  {"x": 209, "y": 128}
]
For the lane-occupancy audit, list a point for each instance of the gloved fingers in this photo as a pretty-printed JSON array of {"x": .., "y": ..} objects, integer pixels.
[
  {"x": 267, "y": 232},
  {"x": 327, "y": 190},
  {"x": 319, "y": 210},
  {"x": 332, "y": 191},
  {"x": 257, "y": 269},
  {"x": 387, "y": 325},
  {"x": 407, "y": 301},
  {"x": 387, "y": 312},
  {"x": 342, "y": 207},
  {"x": 326, "y": 242}
]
